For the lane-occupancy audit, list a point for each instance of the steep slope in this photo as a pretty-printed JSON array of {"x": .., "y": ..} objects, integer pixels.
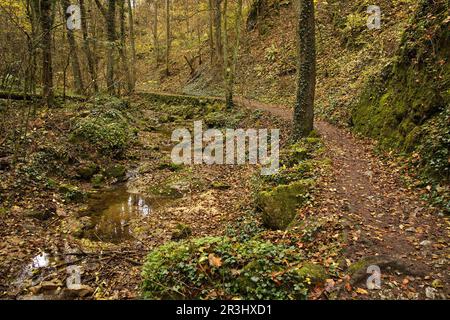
[{"x": 406, "y": 107}]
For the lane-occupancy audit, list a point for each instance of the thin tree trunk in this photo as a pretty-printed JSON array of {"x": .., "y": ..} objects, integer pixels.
[
  {"x": 47, "y": 70},
  {"x": 155, "y": 31},
  {"x": 167, "y": 35},
  {"x": 123, "y": 46},
  {"x": 76, "y": 69},
  {"x": 133, "y": 45},
  {"x": 231, "y": 70},
  {"x": 226, "y": 71},
  {"x": 86, "y": 46},
  {"x": 210, "y": 30},
  {"x": 304, "y": 107},
  {"x": 218, "y": 33}
]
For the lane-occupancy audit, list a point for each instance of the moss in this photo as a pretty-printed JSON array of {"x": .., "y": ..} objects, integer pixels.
[
  {"x": 312, "y": 273},
  {"x": 279, "y": 205},
  {"x": 170, "y": 166},
  {"x": 181, "y": 231},
  {"x": 402, "y": 106},
  {"x": 97, "y": 180},
  {"x": 106, "y": 131},
  {"x": 165, "y": 191},
  {"x": 117, "y": 171},
  {"x": 72, "y": 193},
  {"x": 86, "y": 170},
  {"x": 220, "y": 185}
]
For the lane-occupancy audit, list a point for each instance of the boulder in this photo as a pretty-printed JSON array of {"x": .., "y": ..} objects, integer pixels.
[{"x": 279, "y": 205}]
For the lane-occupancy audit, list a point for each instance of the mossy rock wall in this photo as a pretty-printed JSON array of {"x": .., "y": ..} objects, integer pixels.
[{"x": 410, "y": 99}]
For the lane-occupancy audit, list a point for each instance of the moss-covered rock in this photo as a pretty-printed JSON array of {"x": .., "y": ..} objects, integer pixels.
[
  {"x": 86, "y": 170},
  {"x": 220, "y": 185},
  {"x": 181, "y": 231},
  {"x": 117, "y": 171},
  {"x": 312, "y": 273},
  {"x": 105, "y": 131},
  {"x": 98, "y": 180},
  {"x": 279, "y": 205},
  {"x": 72, "y": 193}
]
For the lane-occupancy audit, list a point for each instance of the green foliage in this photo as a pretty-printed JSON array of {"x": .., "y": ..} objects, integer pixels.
[
  {"x": 107, "y": 131},
  {"x": 214, "y": 267},
  {"x": 72, "y": 193}
]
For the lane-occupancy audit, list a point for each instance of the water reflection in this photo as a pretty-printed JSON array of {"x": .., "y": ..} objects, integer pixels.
[{"x": 112, "y": 212}]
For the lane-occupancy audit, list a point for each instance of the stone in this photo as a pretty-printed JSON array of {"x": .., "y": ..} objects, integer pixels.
[{"x": 279, "y": 205}]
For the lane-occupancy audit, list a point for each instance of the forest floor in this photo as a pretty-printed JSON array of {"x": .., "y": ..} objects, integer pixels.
[
  {"x": 384, "y": 222},
  {"x": 387, "y": 223}
]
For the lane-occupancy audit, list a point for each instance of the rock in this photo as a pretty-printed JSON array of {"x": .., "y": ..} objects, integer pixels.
[
  {"x": 77, "y": 291},
  {"x": 51, "y": 285},
  {"x": 314, "y": 272},
  {"x": 279, "y": 205},
  {"x": 46, "y": 287},
  {"x": 86, "y": 170},
  {"x": 44, "y": 211},
  {"x": 430, "y": 293},
  {"x": 117, "y": 171},
  {"x": 220, "y": 185},
  {"x": 410, "y": 229},
  {"x": 425, "y": 243},
  {"x": 97, "y": 180}
]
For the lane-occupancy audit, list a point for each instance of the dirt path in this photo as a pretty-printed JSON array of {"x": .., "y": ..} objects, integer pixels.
[{"x": 388, "y": 224}]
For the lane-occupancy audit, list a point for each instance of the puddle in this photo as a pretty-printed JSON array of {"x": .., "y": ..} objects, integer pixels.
[
  {"x": 31, "y": 271},
  {"x": 111, "y": 213}
]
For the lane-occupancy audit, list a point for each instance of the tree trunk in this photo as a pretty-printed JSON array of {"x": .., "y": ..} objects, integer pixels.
[
  {"x": 76, "y": 69},
  {"x": 47, "y": 70},
  {"x": 123, "y": 46},
  {"x": 86, "y": 47},
  {"x": 133, "y": 45},
  {"x": 155, "y": 32},
  {"x": 218, "y": 33},
  {"x": 167, "y": 35},
  {"x": 304, "y": 107},
  {"x": 210, "y": 30},
  {"x": 226, "y": 68},
  {"x": 230, "y": 71},
  {"x": 110, "y": 19}
]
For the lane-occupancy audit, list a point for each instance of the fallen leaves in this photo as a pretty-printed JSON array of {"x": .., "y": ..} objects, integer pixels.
[{"x": 214, "y": 261}]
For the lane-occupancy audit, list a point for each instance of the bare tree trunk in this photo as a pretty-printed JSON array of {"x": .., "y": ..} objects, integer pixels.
[
  {"x": 230, "y": 71},
  {"x": 304, "y": 107},
  {"x": 210, "y": 30},
  {"x": 123, "y": 46},
  {"x": 155, "y": 31},
  {"x": 133, "y": 45},
  {"x": 218, "y": 33},
  {"x": 86, "y": 46},
  {"x": 47, "y": 70},
  {"x": 226, "y": 68},
  {"x": 168, "y": 36},
  {"x": 76, "y": 69},
  {"x": 110, "y": 19}
]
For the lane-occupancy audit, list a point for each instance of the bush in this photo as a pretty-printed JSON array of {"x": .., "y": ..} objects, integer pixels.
[
  {"x": 107, "y": 131},
  {"x": 214, "y": 267}
]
